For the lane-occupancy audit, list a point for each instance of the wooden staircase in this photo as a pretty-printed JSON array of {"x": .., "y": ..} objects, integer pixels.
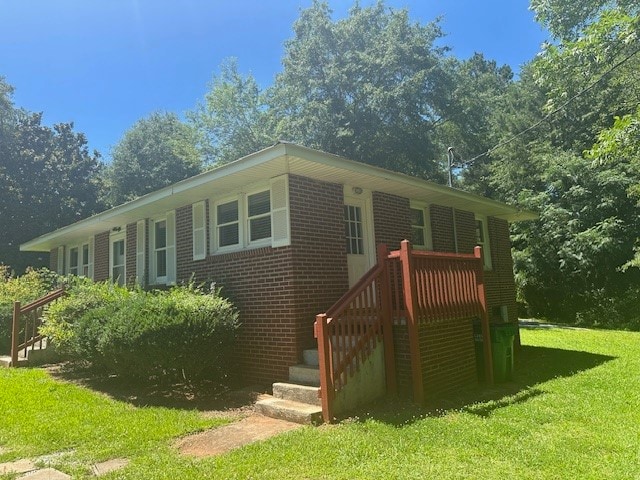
[{"x": 299, "y": 399}]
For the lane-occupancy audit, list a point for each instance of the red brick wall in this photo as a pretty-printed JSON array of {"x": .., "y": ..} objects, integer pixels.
[
  {"x": 442, "y": 232},
  {"x": 465, "y": 231},
  {"x": 101, "y": 257},
  {"x": 448, "y": 357},
  {"x": 391, "y": 220},
  {"x": 499, "y": 281},
  {"x": 278, "y": 291},
  {"x": 130, "y": 249}
]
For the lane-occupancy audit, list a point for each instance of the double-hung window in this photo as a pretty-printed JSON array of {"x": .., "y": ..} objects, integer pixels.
[
  {"x": 84, "y": 268},
  {"x": 482, "y": 240},
  {"x": 117, "y": 258},
  {"x": 420, "y": 227},
  {"x": 228, "y": 224},
  {"x": 73, "y": 261},
  {"x": 259, "y": 217},
  {"x": 162, "y": 250}
]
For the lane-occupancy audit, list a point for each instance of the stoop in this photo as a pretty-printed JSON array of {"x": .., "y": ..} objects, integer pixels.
[{"x": 299, "y": 400}]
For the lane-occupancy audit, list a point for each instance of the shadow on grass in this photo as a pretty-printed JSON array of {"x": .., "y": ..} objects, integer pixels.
[
  {"x": 204, "y": 397},
  {"x": 534, "y": 366}
]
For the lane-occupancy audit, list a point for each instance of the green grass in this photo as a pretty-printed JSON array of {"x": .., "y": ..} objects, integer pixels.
[{"x": 573, "y": 411}]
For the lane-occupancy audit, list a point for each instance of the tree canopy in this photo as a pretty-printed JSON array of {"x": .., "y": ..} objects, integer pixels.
[
  {"x": 157, "y": 151},
  {"x": 49, "y": 179}
]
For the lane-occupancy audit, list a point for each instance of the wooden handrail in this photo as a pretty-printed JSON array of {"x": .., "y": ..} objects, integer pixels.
[
  {"x": 406, "y": 285},
  {"x": 31, "y": 332}
]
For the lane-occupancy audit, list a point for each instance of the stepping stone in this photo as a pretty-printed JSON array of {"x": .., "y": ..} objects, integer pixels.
[
  {"x": 46, "y": 474},
  {"x": 228, "y": 437},
  {"x": 19, "y": 466},
  {"x": 109, "y": 466}
]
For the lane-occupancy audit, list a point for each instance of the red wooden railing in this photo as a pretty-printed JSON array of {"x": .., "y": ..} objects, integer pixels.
[
  {"x": 406, "y": 285},
  {"x": 25, "y": 330}
]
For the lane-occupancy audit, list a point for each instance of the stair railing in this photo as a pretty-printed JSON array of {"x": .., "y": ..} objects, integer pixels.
[
  {"x": 25, "y": 329},
  {"x": 406, "y": 286},
  {"x": 349, "y": 332}
]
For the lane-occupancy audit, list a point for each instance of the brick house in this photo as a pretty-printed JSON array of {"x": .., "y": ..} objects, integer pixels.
[{"x": 286, "y": 232}]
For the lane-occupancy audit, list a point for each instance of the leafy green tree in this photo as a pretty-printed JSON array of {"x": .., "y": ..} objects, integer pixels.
[
  {"x": 157, "y": 151},
  {"x": 234, "y": 120},
  {"x": 372, "y": 87},
  {"x": 49, "y": 180}
]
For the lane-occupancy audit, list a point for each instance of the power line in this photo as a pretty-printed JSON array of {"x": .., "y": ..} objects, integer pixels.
[{"x": 550, "y": 114}]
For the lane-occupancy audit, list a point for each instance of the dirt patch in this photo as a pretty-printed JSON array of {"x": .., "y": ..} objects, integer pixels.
[
  {"x": 229, "y": 437},
  {"x": 213, "y": 400}
]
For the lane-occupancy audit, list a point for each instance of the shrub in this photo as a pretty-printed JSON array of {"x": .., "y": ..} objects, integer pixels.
[
  {"x": 26, "y": 288},
  {"x": 180, "y": 333}
]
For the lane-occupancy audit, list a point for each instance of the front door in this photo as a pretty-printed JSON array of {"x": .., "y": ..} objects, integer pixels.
[{"x": 358, "y": 236}]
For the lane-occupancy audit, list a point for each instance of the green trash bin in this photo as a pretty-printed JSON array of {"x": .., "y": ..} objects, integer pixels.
[{"x": 502, "y": 337}]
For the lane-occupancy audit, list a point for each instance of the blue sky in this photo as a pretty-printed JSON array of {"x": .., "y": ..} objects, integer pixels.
[{"x": 104, "y": 64}]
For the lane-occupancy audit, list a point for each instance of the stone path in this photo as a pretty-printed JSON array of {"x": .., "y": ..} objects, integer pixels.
[
  {"x": 223, "y": 439},
  {"x": 29, "y": 469}
]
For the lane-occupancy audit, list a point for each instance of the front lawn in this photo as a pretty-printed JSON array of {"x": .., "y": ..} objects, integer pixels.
[{"x": 572, "y": 412}]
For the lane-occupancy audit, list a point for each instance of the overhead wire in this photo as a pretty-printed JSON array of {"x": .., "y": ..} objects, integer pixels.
[{"x": 550, "y": 114}]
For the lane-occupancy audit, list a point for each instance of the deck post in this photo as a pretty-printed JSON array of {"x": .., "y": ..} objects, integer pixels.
[
  {"x": 411, "y": 304},
  {"x": 324, "y": 365},
  {"x": 15, "y": 331},
  {"x": 486, "y": 334},
  {"x": 387, "y": 322}
]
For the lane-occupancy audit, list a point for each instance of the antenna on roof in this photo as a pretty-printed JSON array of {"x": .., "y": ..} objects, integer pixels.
[{"x": 450, "y": 160}]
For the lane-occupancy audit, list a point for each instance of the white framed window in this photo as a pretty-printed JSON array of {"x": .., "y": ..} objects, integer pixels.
[
  {"x": 74, "y": 261},
  {"x": 258, "y": 216},
  {"x": 118, "y": 257},
  {"x": 482, "y": 240},
  {"x": 353, "y": 231},
  {"x": 420, "y": 226},
  {"x": 227, "y": 224},
  {"x": 255, "y": 218},
  {"x": 162, "y": 250},
  {"x": 84, "y": 260},
  {"x": 199, "y": 230},
  {"x": 60, "y": 261},
  {"x": 159, "y": 251}
]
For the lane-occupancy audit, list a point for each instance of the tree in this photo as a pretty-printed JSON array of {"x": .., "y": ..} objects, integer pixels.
[
  {"x": 233, "y": 121},
  {"x": 157, "y": 151},
  {"x": 49, "y": 180},
  {"x": 372, "y": 87}
]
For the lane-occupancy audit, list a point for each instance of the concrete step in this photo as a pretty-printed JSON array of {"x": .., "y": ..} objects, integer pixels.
[
  {"x": 304, "y": 375},
  {"x": 32, "y": 356},
  {"x": 289, "y": 410},
  {"x": 297, "y": 393},
  {"x": 310, "y": 357}
]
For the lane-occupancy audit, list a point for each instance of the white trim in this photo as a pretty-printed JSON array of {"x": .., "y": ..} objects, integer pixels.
[
  {"x": 114, "y": 238},
  {"x": 215, "y": 238},
  {"x": 60, "y": 260},
  {"x": 278, "y": 159},
  {"x": 426, "y": 215},
  {"x": 154, "y": 278},
  {"x": 280, "y": 216},
  {"x": 199, "y": 234},
  {"x": 261, "y": 242}
]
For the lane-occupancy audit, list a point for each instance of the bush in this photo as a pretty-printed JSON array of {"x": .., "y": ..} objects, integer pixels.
[
  {"x": 621, "y": 312},
  {"x": 180, "y": 333},
  {"x": 26, "y": 288}
]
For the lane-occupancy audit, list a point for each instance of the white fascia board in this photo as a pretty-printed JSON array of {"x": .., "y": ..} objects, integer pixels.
[
  {"x": 504, "y": 211},
  {"x": 104, "y": 219}
]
